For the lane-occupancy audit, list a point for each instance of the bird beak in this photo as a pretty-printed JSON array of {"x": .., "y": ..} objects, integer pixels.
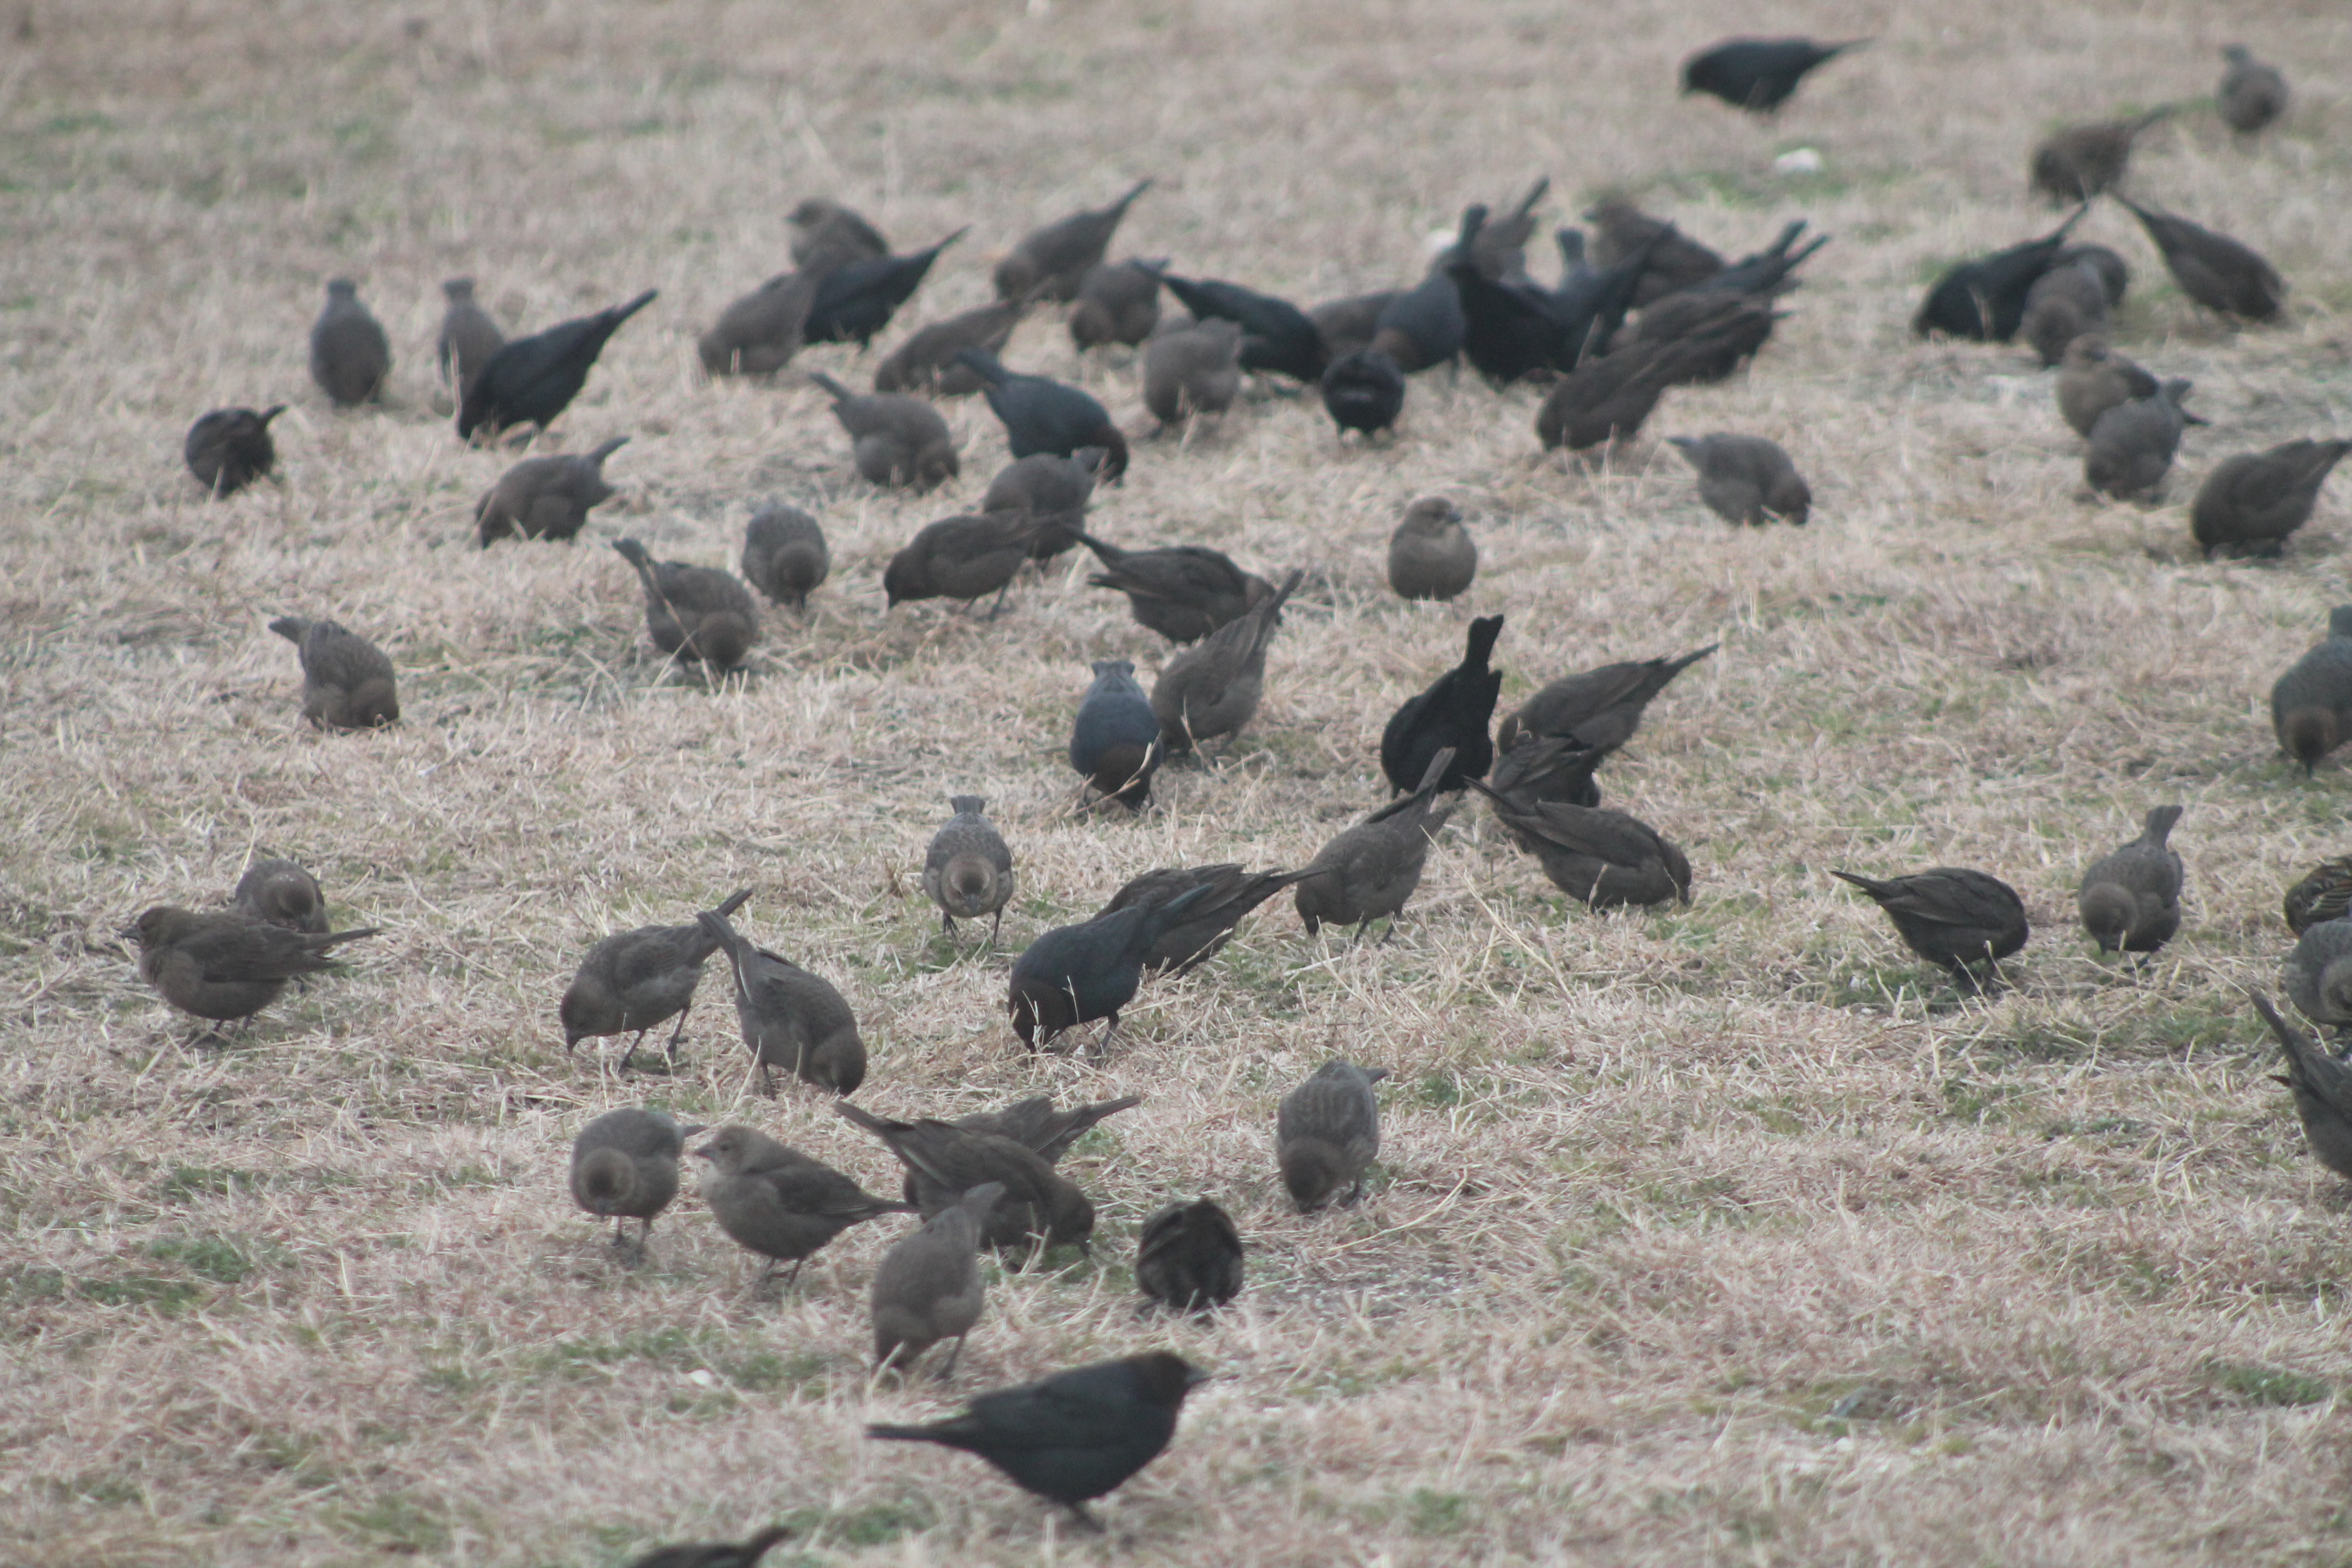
[{"x": 1194, "y": 1377}]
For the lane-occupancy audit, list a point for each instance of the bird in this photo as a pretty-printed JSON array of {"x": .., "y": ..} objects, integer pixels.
[
  {"x": 759, "y": 333},
  {"x": 1205, "y": 928},
  {"x": 828, "y": 233},
  {"x": 546, "y": 497},
  {"x": 281, "y": 893},
  {"x": 347, "y": 682},
  {"x": 2252, "y": 94},
  {"x": 624, "y": 1167},
  {"x": 1422, "y": 327},
  {"x": 1766, "y": 273},
  {"x": 1074, "y": 975},
  {"x": 1535, "y": 768},
  {"x": 1369, "y": 871},
  {"x": 1212, "y": 687},
  {"x": 1115, "y": 739},
  {"x": 226, "y": 966},
  {"x": 531, "y": 380},
  {"x": 1674, "y": 261},
  {"x": 1073, "y": 1436},
  {"x": 2112, "y": 271},
  {"x": 968, "y": 870},
  {"x": 1757, "y": 74},
  {"x": 857, "y": 300},
  {"x": 1604, "y": 857},
  {"x": 1042, "y": 414},
  {"x": 1511, "y": 331},
  {"x": 1046, "y": 1131},
  {"x": 2251, "y": 502},
  {"x": 1431, "y": 554},
  {"x": 1327, "y": 1133},
  {"x": 1500, "y": 251},
  {"x": 2323, "y": 893},
  {"x": 1052, "y": 491},
  {"x": 2132, "y": 444},
  {"x": 717, "y": 1555},
  {"x": 1984, "y": 299},
  {"x": 1183, "y": 592},
  {"x": 1188, "y": 1257},
  {"x": 1195, "y": 370},
  {"x": 1347, "y": 324},
  {"x": 2317, "y": 976},
  {"x": 966, "y": 557},
  {"x": 2064, "y": 303},
  {"x": 1745, "y": 479},
  {"x": 1599, "y": 708},
  {"x": 350, "y": 356},
  {"x": 693, "y": 612},
  {"x": 2094, "y": 378},
  {"x": 2213, "y": 270},
  {"x": 1698, "y": 337},
  {"x": 1051, "y": 262},
  {"x": 2322, "y": 1087},
  {"x": 1116, "y": 303},
  {"x": 2130, "y": 898},
  {"x": 777, "y": 1201},
  {"x": 1951, "y": 916},
  {"x": 1277, "y": 335},
  {"x": 928, "y": 1287},
  {"x": 1606, "y": 400},
  {"x": 228, "y": 448},
  {"x": 2311, "y": 704},
  {"x": 784, "y": 554},
  {"x": 468, "y": 336},
  {"x": 789, "y": 1016},
  {"x": 926, "y": 362},
  {"x": 1039, "y": 1207},
  {"x": 897, "y": 440},
  {"x": 1452, "y": 715},
  {"x": 638, "y": 978},
  {"x": 1363, "y": 392},
  {"x": 2075, "y": 163}
]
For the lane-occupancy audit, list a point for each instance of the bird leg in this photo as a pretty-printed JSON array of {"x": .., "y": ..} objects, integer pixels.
[
  {"x": 947, "y": 923},
  {"x": 633, "y": 1049},
  {"x": 996, "y": 925},
  {"x": 679, "y": 1034},
  {"x": 1078, "y": 1511},
  {"x": 955, "y": 1350},
  {"x": 1103, "y": 1048},
  {"x": 995, "y": 609}
]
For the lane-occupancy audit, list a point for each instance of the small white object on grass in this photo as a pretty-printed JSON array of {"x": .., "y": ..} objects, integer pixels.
[{"x": 1798, "y": 161}]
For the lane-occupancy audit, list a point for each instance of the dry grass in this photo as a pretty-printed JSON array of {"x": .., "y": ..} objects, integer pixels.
[{"x": 1721, "y": 1234}]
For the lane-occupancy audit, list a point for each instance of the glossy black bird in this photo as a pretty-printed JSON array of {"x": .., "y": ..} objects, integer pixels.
[
  {"x": 1985, "y": 298},
  {"x": 229, "y": 449},
  {"x": 2130, "y": 898},
  {"x": 1115, "y": 739},
  {"x": 1188, "y": 1257},
  {"x": 1599, "y": 708},
  {"x": 1277, "y": 335},
  {"x": 2322, "y": 1087},
  {"x": 531, "y": 380},
  {"x": 1757, "y": 74},
  {"x": 2311, "y": 704},
  {"x": 1452, "y": 714},
  {"x": 2213, "y": 270},
  {"x": 1951, "y": 916},
  {"x": 2249, "y": 503},
  {"x": 1509, "y": 330},
  {"x": 1363, "y": 392},
  {"x": 1183, "y": 592},
  {"x": 1204, "y": 929},
  {"x": 856, "y": 301},
  {"x": 1042, "y": 414},
  {"x": 717, "y": 1555},
  {"x": 1422, "y": 327},
  {"x": 1075, "y": 975}
]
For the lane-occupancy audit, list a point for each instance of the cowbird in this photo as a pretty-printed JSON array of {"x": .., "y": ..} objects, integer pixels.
[
  {"x": 229, "y": 965},
  {"x": 1757, "y": 74},
  {"x": 717, "y": 1555},
  {"x": 1607, "y": 399},
  {"x": 968, "y": 870},
  {"x": 1513, "y": 329},
  {"x": 777, "y": 1201},
  {"x": 228, "y": 448},
  {"x": 826, "y": 234},
  {"x": 1188, "y": 1257},
  {"x": 1183, "y": 592},
  {"x": 759, "y": 333},
  {"x": 2311, "y": 704},
  {"x": 1277, "y": 335},
  {"x": 1700, "y": 336},
  {"x": 1766, "y": 272},
  {"x": 2130, "y": 898},
  {"x": 281, "y": 893},
  {"x": 1363, "y": 392},
  {"x": 2251, "y": 502},
  {"x": 1500, "y": 251},
  {"x": 945, "y": 1161},
  {"x": 1347, "y": 324},
  {"x": 2317, "y": 976},
  {"x": 2322, "y": 1087},
  {"x": 2094, "y": 378},
  {"x": 1431, "y": 554},
  {"x": 1115, "y": 739},
  {"x": 2324, "y": 893},
  {"x": 624, "y": 1167},
  {"x": 1194, "y": 371},
  {"x": 2132, "y": 444},
  {"x": 1535, "y": 768},
  {"x": 531, "y": 380},
  {"x": 1951, "y": 916},
  {"x": 784, "y": 554},
  {"x": 790, "y": 1017},
  {"x": 1042, "y": 414},
  {"x": 1599, "y": 708},
  {"x": 2075, "y": 163},
  {"x": 928, "y": 1287},
  {"x": 2213, "y": 270},
  {"x": 636, "y": 979},
  {"x": 346, "y": 681},
  {"x": 468, "y": 337},
  {"x": 1369, "y": 871},
  {"x": 1675, "y": 262},
  {"x": 2253, "y": 94},
  {"x": 897, "y": 440},
  {"x": 1204, "y": 929},
  {"x": 1052, "y": 491},
  {"x": 2064, "y": 303},
  {"x": 1327, "y": 1133},
  {"x": 857, "y": 300},
  {"x": 965, "y": 558},
  {"x": 1745, "y": 479},
  {"x": 1422, "y": 327},
  {"x": 1118, "y": 303},
  {"x": 350, "y": 356},
  {"x": 693, "y": 612},
  {"x": 1452, "y": 715},
  {"x": 926, "y": 362},
  {"x": 1213, "y": 687},
  {"x": 1604, "y": 857},
  {"x": 1051, "y": 262},
  {"x": 1985, "y": 298},
  {"x": 2112, "y": 271},
  {"x": 1039, "y": 1127},
  {"x": 1073, "y": 1436},
  {"x": 1074, "y": 975},
  {"x": 546, "y": 497}
]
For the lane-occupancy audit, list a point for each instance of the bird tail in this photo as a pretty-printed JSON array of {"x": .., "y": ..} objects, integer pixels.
[
  {"x": 337, "y": 939},
  {"x": 727, "y": 936},
  {"x": 1677, "y": 665},
  {"x": 908, "y": 1434},
  {"x": 734, "y": 902},
  {"x": 859, "y": 1116},
  {"x": 2160, "y": 823},
  {"x": 272, "y": 412},
  {"x": 1119, "y": 206},
  {"x": 1871, "y": 885},
  {"x": 622, "y": 312},
  {"x": 832, "y": 388},
  {"x": 1108, "y": 554},
  {"x": 983, "y": 365},
  {"x": 597, "y": 454},
  {"x": 933, "y": 253}
]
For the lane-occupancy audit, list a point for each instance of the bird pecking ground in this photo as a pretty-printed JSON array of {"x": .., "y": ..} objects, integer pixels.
[{"x": 1722, "y": 1234}]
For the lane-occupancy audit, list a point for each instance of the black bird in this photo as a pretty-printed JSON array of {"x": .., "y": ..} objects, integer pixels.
[
  {"x": 1190, "y": 942},
  {"x": 2311, "y": 704},
  {"x": 1189, "y": 1257},
  {"x": 1363, "y": 392},
  {"x": 1951, "y": 916},
  {"x": 1277, "y": 335},
  {"x": 1075, "y": 975},
  {"x": 1453, "y": 713},
  {"x": 1535, "y": 768},
  {"x": 2322, "y": 1088},
  {"x": 2249, "y": 503},
  {"x": 1765, "y": 271},
  {"x": 856, "y": 301},
  {"x": 1183, "y": 592},
  {"x": 1421, "y": 327},
  {"x": 1115, "y": 739},
  {"x": 1511, "y": 331},
  {"x": 1985, "y": 298},
  {"x": 1042, "y": 414},
  {"x": 2130, "y": 898},
  {"x": 715, "y": 1554},
  {"x": 2213, "y": 270},
  {"x": 229, "y": 449},
  {"x": 1757, "y": 74},
  {"x": 531, "y": 380}
]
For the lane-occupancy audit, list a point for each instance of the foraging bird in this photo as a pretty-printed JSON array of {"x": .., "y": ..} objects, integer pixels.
[
  {"x": 531, "y": 380},
  {"x": 759, "y": 333},
  {"x": 1984, "y": 299},
  {"x": 717, "y": 1555},
  {"x": 1757, "y": 74},
  {"x": 546, "y": 497},
  {"x": 928, "y": 1287},
  {"x": 1363, "y": 392},
  {"x": 1347, "y": 324},
  {"x": 1604, "y": 857},
  {"x": 2213, "y": 270},
  {"x": 1052, "y": 491},
  {"x": 468, "y": 336},
  {"x": 1452, "y": 715},
  {"x": 2252, "y": 94},
  {"x": 1745, "y": 479},
  {"x": 2064, "y": 303},
  {"x": 1675, "y": 261},
  {"x": 347, "y": 681},
  {"x": 1188, "y": 1257},
  {"x": 1202, "y": 934},
  {"x": 926, "y": 362},
  {"x": 624, "y": 1167},
  {"x": 2075, "y": 163},
  {"x": 1038, "y": 1127},
  {"x": 1535, "y": 768},
  {"x": 2094, "y": 378},
  {"x": 350, "y": 356},
  {"x": 784, "y": 554},
  {"x": 1422, "y": 327},
  {"x": 2324, "y": 893},
  {"x": 1074, "y": 975},
  {"x": 1277, "y": 335},
  {"x": 1042, "y": 414},
  {"x": 1431, "y": 554},
  {"x": 693, "y": 612},
  {"x": 963, "y": 558},
  {"x": 789, "y": 1016},
  {"x": 2112, "y": 271},
  {"x": 2311, "y": 704},
  {"x": 1212, "y": 687},
  {"x": 827, "y": 235},
  {"x": 1951, "y": 916},
  {"x": 897, "y": 440},
  {"x": 968, "y": 870},
  {"x": 1183, "y": 592},
  {"x": 1115, "y": 739},
  {"x": 857, "y": 300},
  {"x": 944, "y": 1161},
  {"x": 636, "y": 979},
  {"x": 1073, "y": 1436},
  {"x": 1117, "y": 304},
  {"x": 2317, "y": 976},
  {"x": 2322, "y": 1087},
  {"x": 2253, "y": 502},
  {"x": 229, "y": 965},
  {"x": 1051, "y": 262},
  {"x": 1607, "y": 400},
  {"x": 1599, "y": 708},
  {"x": 1512, "y": 330},
  {"x": 228, "y": 448},
  {"x": 775, "y": 1201},
  {"x": 1372, "y": 870},
  {"x": 281, "y": 893},
  {"x": 1701, "y": 335},
  {"x": 2131, "y": 446},
  {"x": 2130, "y": 898},
  {"x": 1196, "y": 370},
  {"x": 1327, "y": 1133}
]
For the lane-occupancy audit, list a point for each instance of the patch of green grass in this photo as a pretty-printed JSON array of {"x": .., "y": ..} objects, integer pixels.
[
  {"x": 1428, "y": 1512},
  {"x": 396, "y": 1521},
  {"x": 183, "y": 1181},
  {"x": 165, "y": 1295},
  {"x": 2259, "y": 1384},
  {"x": 215, "y": 1258}
]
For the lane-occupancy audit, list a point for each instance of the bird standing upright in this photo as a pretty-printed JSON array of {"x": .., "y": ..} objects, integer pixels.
[
  {"x": 350, "y": 356},
  {"x": 1452, "y": 715}
]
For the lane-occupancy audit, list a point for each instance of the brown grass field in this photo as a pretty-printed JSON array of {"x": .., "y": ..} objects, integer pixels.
[{"x": 1726, "y": 1234}]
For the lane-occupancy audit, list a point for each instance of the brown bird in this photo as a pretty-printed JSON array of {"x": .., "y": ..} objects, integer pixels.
[
  {"x": 2317, "y": 976},
  {"x": 1347, "y": 325},
  {"x": 2064, "y": 304},
  {"x": 759, "y": 333},
  {"x": 1599, "y": 708},
  {"x": 2253, "y": 94},
  {"x": 777, "y": 1201},
  {"x": 929, "y": 1288},
  {"x": 715, "y": 1554},
  {"x": 784, "y": 556},
  {"x": 1050, "y": 262},
  {"x": 926, "y": 362},
  {"x": 2113, "y": 273},
  {"x": 2094, "y": 378},
  {"x": 828, "y": 234},
  {"x": 1212, "y": 687},
  {"x": 1711, "y": 331},
  {"x": 1327, "y": 1133},
  {"x": 2322, "y": 1087},
  {"x": 636, "y": 979},
  {"x": 962, "y": 558},
  {"x": 2130, "y": 898},
  {"x": 1188, "y": 942},
  {"x": 2325, "y": 893},
  {"x": 2251, "y": 502},
  {"x": 546, "y": 497},
  {"x": 468, "y": 337},
  {"x": 790, "y": 1017},
  {"x": 228, "y": 448},
  {"x": 1183, "y": 592},
  {"x": 1195, "y": 370},
  {"x": 1619, "y": 229},
  {"x": 624, "y": 1167},
  {"x": 1606, "y": 399},
  {"x": 1053, "y": 491},
  {"x": 2132, "y": 445},
  {"x": 281, "y": 893},
  {"x": 1044, "y": 1131},
  {"x": 1604, "y": 857},
  {"x": 1188, "y": 1257},
  {"x": 229, "y": 965},
  {"x": 967, "y": 871},
  {"x": 946, "y": 1161},
  {"x": 346, "y": 681},
  {"x": 898, "y": 440},
  {"x": 1535, "y": 768},
  {"x": 1499, "y": 249},
  {"x": 1431, "y": 554},
  {"x": 1951, "y": 916},
  {"x": 693, "y": 612},
  {"x": 1745, "y": 479},
  {"x": 350, "y": 356},
  {"x": 1371, "y": 870},
  {"x": 2311, "y": 704},
  {"x": 2213, "y": 270},
  {"x": 1118, "y": 303},
  {"x": 2075, "y": 163}
]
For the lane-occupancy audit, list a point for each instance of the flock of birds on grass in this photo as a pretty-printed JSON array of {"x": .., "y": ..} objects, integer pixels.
[{"x": 989, "y": 1181}]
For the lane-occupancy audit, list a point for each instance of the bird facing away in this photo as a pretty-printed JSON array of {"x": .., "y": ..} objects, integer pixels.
[
  {"x": 827, "y": 235},
  {"x": 1212, "y": 689},
  {"x": 1422, "y": 327},
  {"x": 1346, "y": 324},
  {"x": 2322, "y": 1087},
  {"x": 1117, "y": 304},
  {"x": 1513, "y": 329},
  {"x": 926, "y": 362},
  {"x": 693, "y": 612},
  {"x": 1188, "y": 1257},
  {"x": 2213, "y": 270},
  {"x": 1074, "y": 975},
  {"x": 1115, "y": 739},
  {"x": 281, "y": 893},
  {"x": 1073, "y": 1436},
  {"x": 2132, "y": 446},
  {"x": 636, "y": 979},
  {"x": 624, "y": 1167},
  {"x": 468, "y": 337},
  {"x": 1452, "y": 715},
  {"x": 790, "y": 1017},
  {"x": 1951, "y": 916},
  {"x": 1053, "y": 492},
  {"x": 531, "y": 380},
  {"x": 943, "y": 1162},
  {"x": 2130, "y": 898},
  {"x": 1500, "y": 252},
  {"x": 2324, "y": 893},
  {"x": 350, "y": 356},
  {"x": 1604, "y": 857},
  {"x": 715, "y": 1554},
  {"x": 968, "y": 870},
  {"x": 2075, "y": 163},
  {"x": 2094, "y": 378},
  {"x": 1363, "y": 392},
  {"x": 1371, "y": 870},
  {"x": 1205, "y": 928},
  {"x": 1745, "y": 479},
  {"x": 1277, "y": 335},
  {"x": 1599, "y": 708},
  {"x": 759, "y": 333},
  {"x": 228, "y": 448},
  {"x": 2253, "y": 94},
  {"x": 347, "y": 681},
  {"x": 897, "y": 440},
  {"x": 1431, "y": 554},
  {"x": 777, "y": 1201},
  {"x": 962, "y": 558},
  {"x": 784, "y": 554},
  {"x": 2317, "y": 976},
  {"x": 2311, "y": 704},
  {"x": 229, "y": 965},
  {"x": 1984, "y": 299},
  {"x": 2112, "y": 271},
  {"x": 2064, "y": 303},
  {"x": 546, "y": 497},
  {"x": 928, "y": 1287},
  {"x": 2249, "y": 503},
  {"x": 857, "y": 300},
  {"x": 1051, "y": 262},
  {"x": 1042, "y": 414},
  {"x": 1183, "y": 592},
  {"x": 1195, "y": 370},
  {"x": 1327, "y": 1133},
  {"x": 1038, "y": 1127},
  {"x": 1757, "y": 74}
]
